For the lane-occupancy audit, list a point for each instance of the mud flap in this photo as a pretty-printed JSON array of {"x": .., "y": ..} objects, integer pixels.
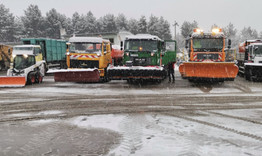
[
  {"x": 77, "y": 75},
  {"x": 14, "y": 81},
  {"x": 214, "y": 70}
]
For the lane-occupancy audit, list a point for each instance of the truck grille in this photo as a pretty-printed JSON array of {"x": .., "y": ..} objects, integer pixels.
[
  {"x": 84, "y": 64},
  {"x": 141, "y": 61},
  {"x": 207, "y": 56}
]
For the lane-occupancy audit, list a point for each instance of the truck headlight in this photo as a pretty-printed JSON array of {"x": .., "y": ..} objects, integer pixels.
[{"x": 152, "y": 54}]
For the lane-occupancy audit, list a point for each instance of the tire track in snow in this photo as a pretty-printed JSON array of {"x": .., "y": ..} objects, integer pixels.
[
  {"x": 253, "y": 136},
  {"x": 132, "y": 132},
  {"x": 236, "y": 117}
]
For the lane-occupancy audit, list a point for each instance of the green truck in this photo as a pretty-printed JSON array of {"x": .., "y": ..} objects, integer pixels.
[
  {"x": 146, "y": 57},
  {"x": 53, "y": 51}
]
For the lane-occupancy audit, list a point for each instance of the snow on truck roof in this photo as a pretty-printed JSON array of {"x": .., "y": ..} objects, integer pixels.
[
  {"x": 87, "y": 39},
  {"x": 143, "y": 36},
  {"x": 256, "y": 40},
  {"x": 27, "y": 45},
  {"x": 256, "y": 44}
]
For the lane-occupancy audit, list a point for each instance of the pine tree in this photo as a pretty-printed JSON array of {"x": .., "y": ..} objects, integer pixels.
[
  {"x": 230, "y": 31},
  {"x": 187, "y": 28},
  {"x": 142, "y": 25},
  {"x": 90, "y": 23},
  {"x": 133, "y": 26},
  {"x": 248, "y": 33},
  {"x": 121, "y": 22},
  {"x": 33, "y": 22},
  {"x": 109, "y": 23},
  {"x": 153, "y": 25},
  {"x": 7, "y": 25},
  {"x": 165, "y": 32}
]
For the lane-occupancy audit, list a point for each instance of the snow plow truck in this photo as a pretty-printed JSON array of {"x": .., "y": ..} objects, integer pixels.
[
  {"x": 249, "y": 59},
  {"x": 5, "y": 56},
  {"x": 207, "y": 58},
  {"x": 28, "y": 67},
  {"x": 87, "y": 60},
  {"x": 146, "y": 57}
]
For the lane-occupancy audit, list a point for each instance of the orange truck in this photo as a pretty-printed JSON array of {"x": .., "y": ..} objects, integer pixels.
[
  {"x": 5, "y": 56},
  {"x": 207, "y": 58},
  {"x": 87, "y": 60},
  {"x": 117, "y": 55}
]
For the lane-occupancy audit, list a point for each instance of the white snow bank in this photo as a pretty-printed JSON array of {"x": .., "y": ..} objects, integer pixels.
[
  {"x": 135, "y": 68},
  {"x": 70, "y": 70},
  {"x": 53, "y": 112},
  {"x": 98, "y": 121}
]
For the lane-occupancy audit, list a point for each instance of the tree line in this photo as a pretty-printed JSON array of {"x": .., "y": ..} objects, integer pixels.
[{"x": 34, "y": 24}]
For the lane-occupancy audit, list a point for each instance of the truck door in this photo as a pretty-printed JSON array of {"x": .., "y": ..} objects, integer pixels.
[{"x": 169, "y": 52}]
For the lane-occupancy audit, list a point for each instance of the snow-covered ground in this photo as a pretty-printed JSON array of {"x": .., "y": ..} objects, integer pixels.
[{"x": 152, "y": 134}]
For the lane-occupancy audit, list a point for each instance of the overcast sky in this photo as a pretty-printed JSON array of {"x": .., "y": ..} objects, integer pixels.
[{"x": 206, "y": 12}]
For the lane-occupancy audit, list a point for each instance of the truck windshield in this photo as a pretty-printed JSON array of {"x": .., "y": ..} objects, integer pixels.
[
  {"x": 23, "y": 48},
  {"x": 23, "y": 61},
  {"x": 258, "y": 50},
  {"x": 92, "y": 48},
  {"x": 141, "y": 45},
  {"x": 208, "y": 45}
]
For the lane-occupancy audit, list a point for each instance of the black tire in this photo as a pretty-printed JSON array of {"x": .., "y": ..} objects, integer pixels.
[
  {"x": 38, "y": 78},
  {"x": 248, "y": 74},
  {"x": 2, "y": 66},
  {"x": 31, "y": 78}
]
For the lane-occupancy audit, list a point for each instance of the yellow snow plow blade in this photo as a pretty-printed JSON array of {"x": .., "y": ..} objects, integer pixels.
[
  {"x": 209, "y": 70},
  {"x": 14, "y": 81}
]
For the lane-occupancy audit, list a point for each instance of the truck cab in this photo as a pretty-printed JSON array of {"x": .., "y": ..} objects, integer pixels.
[
  {"x": 89, "y": 52},
  {"x": 255, "y": 52}
]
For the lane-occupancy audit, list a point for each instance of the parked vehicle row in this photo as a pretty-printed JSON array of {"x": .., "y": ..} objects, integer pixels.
[{"x": 139, "y": 57}]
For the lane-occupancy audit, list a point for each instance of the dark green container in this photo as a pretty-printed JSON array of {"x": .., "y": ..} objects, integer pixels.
[{"x": 54, "y": 51}]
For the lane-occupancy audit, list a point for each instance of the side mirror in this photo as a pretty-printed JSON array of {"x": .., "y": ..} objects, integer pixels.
[
  {"x": 186, "y": 44},
  {"x": 229, "y": 43},
  {"x": 9, "y": 51},
  {"x": 121, "y": 45}
]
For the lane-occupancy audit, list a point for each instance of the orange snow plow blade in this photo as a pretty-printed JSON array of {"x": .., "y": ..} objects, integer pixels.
[
  {"x": 76, "y": 75},
  {"x": 212, "y": 70},
  {"x": 14, "y": 81}
]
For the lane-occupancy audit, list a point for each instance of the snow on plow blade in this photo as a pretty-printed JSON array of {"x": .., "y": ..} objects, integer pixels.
[
  {"x": 136, "y": 72},
  {"x": 76, "y": 75},
  {"x": 209, "y": 70},
  {"x": 14, "y": 81}
]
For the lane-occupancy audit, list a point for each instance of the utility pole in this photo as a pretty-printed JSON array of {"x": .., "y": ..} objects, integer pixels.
[{"x": 175, "y": 24}]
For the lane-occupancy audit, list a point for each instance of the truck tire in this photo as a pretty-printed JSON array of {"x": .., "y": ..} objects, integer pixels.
[
  {"x": 248, "y": 74},
  {"x": 2, "y": 66},
  {"x": 31, "y": 78},
  {"x": 38, "y": 78}
]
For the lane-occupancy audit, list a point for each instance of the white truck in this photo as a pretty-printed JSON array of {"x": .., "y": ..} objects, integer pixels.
[
  {"x": 28, "y": 67},
  {"x": 249, "y": 59}
]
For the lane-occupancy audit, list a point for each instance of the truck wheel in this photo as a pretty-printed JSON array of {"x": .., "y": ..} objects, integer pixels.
[
  {"x": 248, "y": 74},
  {"x": 2, "y": 66},
  {"x": 38, "y": 78},
  {"x": 31, "y": 79},
  {"x": 105, "y": 78}
]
